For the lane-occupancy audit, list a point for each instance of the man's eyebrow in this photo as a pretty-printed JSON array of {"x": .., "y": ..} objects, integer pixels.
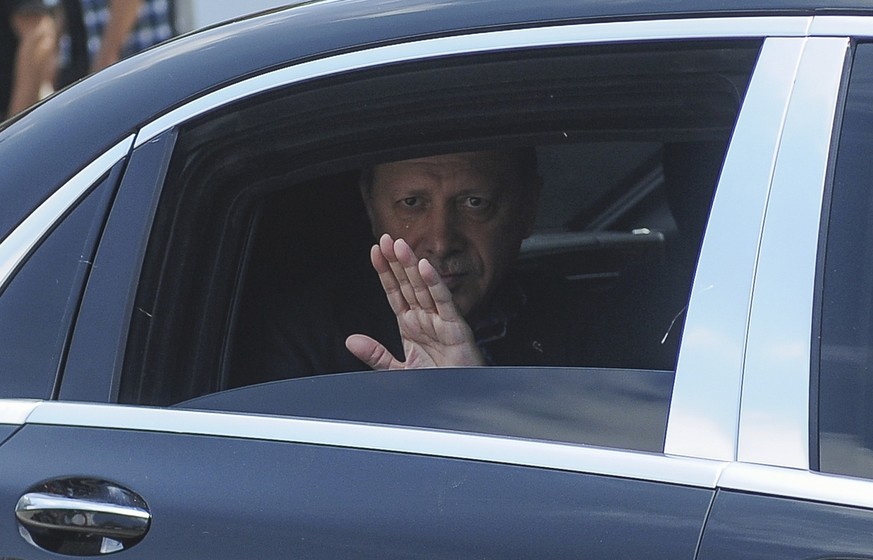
[{"x": 479, "y": 191}]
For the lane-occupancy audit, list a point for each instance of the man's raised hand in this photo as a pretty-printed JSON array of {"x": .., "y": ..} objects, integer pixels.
[{"x": 434, "y": 334}]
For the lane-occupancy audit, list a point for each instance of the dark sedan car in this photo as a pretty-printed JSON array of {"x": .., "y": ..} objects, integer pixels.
[{"x": 705, "y": 204}]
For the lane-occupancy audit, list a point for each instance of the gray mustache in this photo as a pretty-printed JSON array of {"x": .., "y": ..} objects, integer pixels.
[{"x": 453, "y": 266}]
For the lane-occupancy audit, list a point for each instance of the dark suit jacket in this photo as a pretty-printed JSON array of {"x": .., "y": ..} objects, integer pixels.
[{"x": 301, "y": 331}]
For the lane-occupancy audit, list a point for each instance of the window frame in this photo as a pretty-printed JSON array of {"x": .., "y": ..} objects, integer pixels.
[
  {"x": 243, "y": 89},
  {"x": 776, "y": 373},
  {"x": 93, "y": 363}
]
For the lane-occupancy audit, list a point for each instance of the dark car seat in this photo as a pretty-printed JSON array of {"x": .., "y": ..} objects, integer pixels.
[
  {"x": 312, "y": 237},
  {"x": 641, "y": 321}
]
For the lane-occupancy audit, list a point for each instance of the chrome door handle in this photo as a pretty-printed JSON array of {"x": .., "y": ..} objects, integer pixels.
[
  {"x": 82, "y": 517},
  {"x": 50, "y": 512}
]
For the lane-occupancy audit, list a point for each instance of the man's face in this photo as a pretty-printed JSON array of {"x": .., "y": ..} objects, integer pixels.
[{"x": 465, "y": 213}]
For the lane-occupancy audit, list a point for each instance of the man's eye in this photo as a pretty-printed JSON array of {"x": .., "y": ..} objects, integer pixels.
[
  {"x": 410, "y": 201},
  {"x": 476, "y": 202}
]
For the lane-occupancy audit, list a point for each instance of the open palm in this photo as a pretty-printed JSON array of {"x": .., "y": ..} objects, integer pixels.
[{"x": 434, "y": 334}]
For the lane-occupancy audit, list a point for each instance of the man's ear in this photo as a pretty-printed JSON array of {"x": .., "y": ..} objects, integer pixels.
[
  {"x": 375, "y": 233},
  {"x": 365, "y": 188}
]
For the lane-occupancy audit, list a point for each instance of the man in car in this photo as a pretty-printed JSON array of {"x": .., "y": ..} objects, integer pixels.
[{"x": 448, "y": 230}]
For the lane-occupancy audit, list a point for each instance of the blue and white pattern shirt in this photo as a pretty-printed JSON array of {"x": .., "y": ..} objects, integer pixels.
[{"x": 155, "y": 24}]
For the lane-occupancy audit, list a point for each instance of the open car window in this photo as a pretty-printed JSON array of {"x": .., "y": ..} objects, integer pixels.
[{"x": 260, "y": 245}]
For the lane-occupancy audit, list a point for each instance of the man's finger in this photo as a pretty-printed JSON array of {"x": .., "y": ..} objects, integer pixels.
[
  {"x": 389, "y": 282},
  {"x": 406, "y": 257},
  {"x": 442, "y": 296},
  {"x": 387, "y": 244},
  {"x": 371, "y": 352}
]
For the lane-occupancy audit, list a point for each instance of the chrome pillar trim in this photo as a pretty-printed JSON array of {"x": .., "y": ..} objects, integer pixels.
[
  {"x": 397, "y": 439},
  {"x": 706, "y": 394},
  {"x": 799, "y": 484},
  {"x": 842, "y": 26},
  {"x": 24, "y": 238},
  {"x": 702, "y": 28},
  {"x": 16, "y": 411},
  {"x": 774, "y": 420}
]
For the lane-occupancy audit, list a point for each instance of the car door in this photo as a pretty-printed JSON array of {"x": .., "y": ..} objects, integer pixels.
[
  {"x": 112, "y": 467},
  {"x": 801, "y": 485},
  {"x": 228, "y": 486}
]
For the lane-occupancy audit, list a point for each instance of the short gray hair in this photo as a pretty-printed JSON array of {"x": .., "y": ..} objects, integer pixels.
[{"x": 523, "y": 159}]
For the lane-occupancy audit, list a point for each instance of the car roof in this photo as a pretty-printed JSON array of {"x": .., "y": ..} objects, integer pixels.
[{"x": 97, "y": 112}]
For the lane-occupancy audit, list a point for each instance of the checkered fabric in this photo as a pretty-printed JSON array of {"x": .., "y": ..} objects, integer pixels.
[{"x": 155, "y": 24}]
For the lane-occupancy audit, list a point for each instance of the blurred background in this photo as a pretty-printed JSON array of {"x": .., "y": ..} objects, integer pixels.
[
  {"x": 192, "y": 14},
  {"x": 46, "y": 45}
]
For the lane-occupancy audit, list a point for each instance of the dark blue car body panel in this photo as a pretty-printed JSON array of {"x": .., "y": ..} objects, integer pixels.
[
  {"x": 749, "y": 526},
  {"x": 304, "y": 501}
]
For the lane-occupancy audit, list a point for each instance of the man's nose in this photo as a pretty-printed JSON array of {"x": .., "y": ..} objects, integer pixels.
[{"x": 442, "y": 235}]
